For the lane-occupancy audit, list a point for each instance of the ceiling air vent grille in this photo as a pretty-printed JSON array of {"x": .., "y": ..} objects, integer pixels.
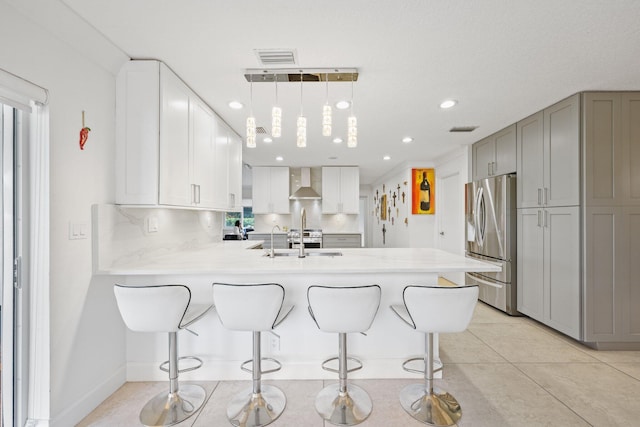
[
  {"x": 276, "y": 56},
  {"x": 463, "y": 128},
  {"x": 260, "y": 130}
]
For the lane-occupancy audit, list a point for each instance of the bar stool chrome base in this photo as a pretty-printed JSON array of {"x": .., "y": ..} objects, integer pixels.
[
  {"x": 438, "y": 408},
  {"x": 167, "y": 409},
  {"x": 249, "y": 409},
  {"x": 343, "y": 408}
]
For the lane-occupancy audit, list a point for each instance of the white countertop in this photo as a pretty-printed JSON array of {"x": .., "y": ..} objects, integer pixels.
[{"x": 231, "y": 257}]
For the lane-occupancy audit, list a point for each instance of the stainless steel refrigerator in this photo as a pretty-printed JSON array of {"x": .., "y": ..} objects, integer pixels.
[{"x": 490, "y": 213}]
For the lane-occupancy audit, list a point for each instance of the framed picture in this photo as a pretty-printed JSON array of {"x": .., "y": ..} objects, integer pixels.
[
  {"x": 383, "y": 207},
  {"x": 423, "y": 191}
]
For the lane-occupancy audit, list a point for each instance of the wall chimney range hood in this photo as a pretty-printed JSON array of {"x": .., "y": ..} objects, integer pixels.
[{"x": 305, "y": 192}]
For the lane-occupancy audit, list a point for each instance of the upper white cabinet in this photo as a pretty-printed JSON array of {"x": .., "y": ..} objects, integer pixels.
[
  {"x": 495, "y": 155},
  {"x": 270, "y": 190},
  {"x": 235, "y": 171},
  {"x": 171, "y": 148},
  {"x": 340, "y": 190},
  {"x": 548, "y": 156}
]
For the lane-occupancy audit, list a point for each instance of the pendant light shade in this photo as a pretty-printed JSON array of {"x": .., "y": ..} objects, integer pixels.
[
  {"x": 326, "y": 111},
  {"x": 352, "y": 124},
  {"x": 251, "y": 121},
  {"x": 301, "y": 134},
  {"x": 276, "y": 115}
]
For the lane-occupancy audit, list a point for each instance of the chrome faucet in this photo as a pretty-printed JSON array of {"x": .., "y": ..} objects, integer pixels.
[
  {"x": 303, "y": 225},
  {"x": 273, "y": 253}
]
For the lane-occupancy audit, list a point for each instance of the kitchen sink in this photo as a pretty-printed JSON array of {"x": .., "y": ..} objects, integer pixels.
[{"x": 306, "y": 253}]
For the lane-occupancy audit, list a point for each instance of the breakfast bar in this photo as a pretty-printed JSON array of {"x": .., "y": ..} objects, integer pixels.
[{"x": 298, "y": 345}]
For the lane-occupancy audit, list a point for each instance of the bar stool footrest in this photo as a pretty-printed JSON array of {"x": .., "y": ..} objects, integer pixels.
[
  {"x": 337, "y": 371},
  {"x": 267, "y": 371},
  {"x": 437, "y": 365},
  {"x": 164, "y": 366}
]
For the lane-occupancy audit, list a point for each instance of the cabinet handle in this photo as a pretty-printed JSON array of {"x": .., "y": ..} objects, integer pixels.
[
  {"x": 489, "y": 168},
  {"x": 546, "y": 213},
  {"x": 193, "y": 193},
  {"x": 539, "y": 197},
  {"x": 539, "y": 221},
  {"x": 493, "y": 168},
  {"x": 546, "y": 196}
]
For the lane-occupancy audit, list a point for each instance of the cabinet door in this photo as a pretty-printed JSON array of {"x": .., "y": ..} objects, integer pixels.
[
  {"x": 631, "y": 147},
  {"x": 202, "y": 154},
  {"x": 221, "y": 168},
  {"x": 484, "y": 156},
  {"x": 331, "y": 190},
  {"x": 505, "y": 151},
  {"x": 530, "y": 284},
  {"x": 350, "y": 190},
  {"x": 530, "y": 156},
  {"x": 235, "y": 172},
  {"x": 562, "y": 153},
  {"x": 562, "y": 270},
  {"x": 175, "y": 183},
  {"x": 280, "y": 190},
  {"x": 261, "y": 190}
]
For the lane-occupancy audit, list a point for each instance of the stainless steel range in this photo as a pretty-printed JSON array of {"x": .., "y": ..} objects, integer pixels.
[{"x": 312, "y": 237}]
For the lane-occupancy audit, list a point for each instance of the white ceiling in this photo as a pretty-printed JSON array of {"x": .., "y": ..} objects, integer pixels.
[{"x": 501, "y": 59}]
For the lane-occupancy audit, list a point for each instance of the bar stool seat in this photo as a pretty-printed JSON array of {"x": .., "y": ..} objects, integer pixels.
[
  {"x": 165, "y": 308},
  {"x": 434, "y": 309},
  {"x": 341, "y": 310},
  {"x": 255, "y": 308}
]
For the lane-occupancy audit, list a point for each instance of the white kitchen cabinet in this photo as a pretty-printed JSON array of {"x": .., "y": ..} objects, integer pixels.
[
  {"x": 341, "y": 240},
  {"x": 271, "y": 190},
  {"x": 548, "y": 156},
  {"x": 166, "y": 142},
  {"x": 235, "y": 172},
  {"x": 340, "y": 190},
  {"x": 549, "y": 267},
  {"x": 495, "y": 155}
]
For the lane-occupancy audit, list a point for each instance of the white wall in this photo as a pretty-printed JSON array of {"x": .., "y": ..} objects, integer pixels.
[
  {"x": 418, "y": 231},
  {"x": 87, "y": 339}
]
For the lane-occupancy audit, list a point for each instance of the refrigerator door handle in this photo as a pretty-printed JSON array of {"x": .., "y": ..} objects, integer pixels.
[{"x": 483, "y": 281}]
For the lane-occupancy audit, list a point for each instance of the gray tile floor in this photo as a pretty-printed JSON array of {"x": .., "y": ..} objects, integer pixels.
[{"x": 504, "y": 371}]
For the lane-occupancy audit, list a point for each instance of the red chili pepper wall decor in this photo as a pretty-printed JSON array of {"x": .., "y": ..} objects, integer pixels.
[{"x": 84, "y": 133}]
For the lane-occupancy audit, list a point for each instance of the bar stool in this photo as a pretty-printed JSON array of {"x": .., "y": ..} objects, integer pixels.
[
  {"x": 255, "y": 308},
  {"x": 164, "y": 308},
  {"x": 433, "y": 309},
  {"x": 342, "y": 310}
]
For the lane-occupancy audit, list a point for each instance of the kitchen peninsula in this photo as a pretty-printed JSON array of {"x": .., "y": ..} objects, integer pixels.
[{"x": 300, "y": 346}]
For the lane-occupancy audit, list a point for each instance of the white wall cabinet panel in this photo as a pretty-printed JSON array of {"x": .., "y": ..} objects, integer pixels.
[
  {"x": 271, "y": 190},
  {"x": 495, "y": 155},
  {"x": 166, "y": 147},
  {"x": 340, "y": 190},
  {"x": 235, "y": 172}
]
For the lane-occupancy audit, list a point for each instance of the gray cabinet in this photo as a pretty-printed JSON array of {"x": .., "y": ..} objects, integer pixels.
[
  {"x": 280, "y": 240},
  {"x": 549, "y": 267},
  {"x": 495, "y": 155},
  {"x": 612, "y": 217},
  {"x": 548, "y": 156},
  {"x": 341, "y": 240}
]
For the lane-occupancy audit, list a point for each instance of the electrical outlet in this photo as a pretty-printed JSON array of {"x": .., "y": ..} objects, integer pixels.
[
  {"x": 275, "y": 343},
  {"x": 152, "y": 224}
]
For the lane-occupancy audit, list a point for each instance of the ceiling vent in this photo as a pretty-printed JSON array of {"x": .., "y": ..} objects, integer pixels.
[
  {"x": 276, "y": 56},
  {"x": 260, "y": 130},
  {"x": 463, "y": 128}
]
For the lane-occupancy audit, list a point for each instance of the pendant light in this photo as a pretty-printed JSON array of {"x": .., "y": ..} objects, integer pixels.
[
  {"x": 352, "y": 124},
  {"x": 326, "y": 111},
  {"x": 276, "y": 115},
  {"x": 251, "y": 121},
  {"x": 301, "y": 135}
]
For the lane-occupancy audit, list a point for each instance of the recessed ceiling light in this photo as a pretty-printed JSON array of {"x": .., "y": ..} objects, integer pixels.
[
  {"x": 386, "y": 158},
  {"x": 267, "y": 140},
  {"x": 337, "y": 140},
  {"x": 279, "y": 158},
  {"x": 236, "y": 105},
  {"x": 407, "y": 139},
  {"x": 343, "y": 105},
  {"x": 448, "y": 103}
]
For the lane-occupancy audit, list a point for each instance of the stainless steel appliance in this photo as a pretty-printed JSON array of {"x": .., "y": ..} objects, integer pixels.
[
  {"x": 490, "y": 212},
  {"x": 312, "y": 237}
]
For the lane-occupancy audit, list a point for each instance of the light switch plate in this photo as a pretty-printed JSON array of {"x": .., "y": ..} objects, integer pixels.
[
  {"x": 78, "y": 230},
  {"x": 152, "y": 224}
]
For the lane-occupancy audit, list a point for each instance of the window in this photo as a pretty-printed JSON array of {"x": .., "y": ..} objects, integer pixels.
[{"x": 245, "y": 217}]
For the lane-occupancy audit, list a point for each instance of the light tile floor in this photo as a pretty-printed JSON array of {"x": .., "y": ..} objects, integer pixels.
[{"x": 504, "y": 371}]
